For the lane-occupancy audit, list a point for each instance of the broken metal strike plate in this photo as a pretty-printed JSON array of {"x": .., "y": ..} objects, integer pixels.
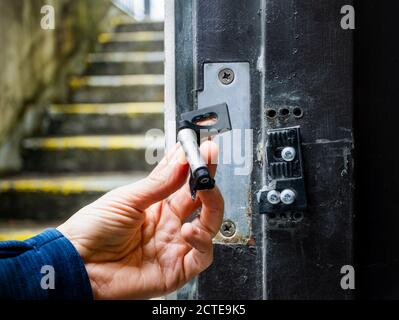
[
  {"x": 285, "y": 190},
  {"x": 190, "y": 134}
]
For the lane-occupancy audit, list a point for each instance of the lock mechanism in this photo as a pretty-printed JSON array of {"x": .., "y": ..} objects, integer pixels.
[
  {"x": 285, "y": 189},
  {"x": 190, "y": 134}
]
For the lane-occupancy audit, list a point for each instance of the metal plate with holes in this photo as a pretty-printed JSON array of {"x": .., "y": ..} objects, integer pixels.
[
  {"x": 230, "y": 83},
  {"x": 285, "y": 190}
]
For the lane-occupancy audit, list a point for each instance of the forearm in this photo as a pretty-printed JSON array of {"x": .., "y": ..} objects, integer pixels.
[{"x": 44, "y": 267}]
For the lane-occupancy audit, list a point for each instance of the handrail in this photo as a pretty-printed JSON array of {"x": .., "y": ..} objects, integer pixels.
[{"x": 126, "y": 6}]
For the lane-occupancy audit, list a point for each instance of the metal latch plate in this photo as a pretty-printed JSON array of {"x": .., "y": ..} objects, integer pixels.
[{"x": 284, "y": 171}]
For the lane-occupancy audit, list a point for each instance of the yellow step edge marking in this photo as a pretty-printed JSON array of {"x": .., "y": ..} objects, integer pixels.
[
  {"x": 118, "y": 81},
  {"x": 92, "y": 142},
  {"x": 50, "y": 186},
  {"x": 121, "y": 20},
  {"x": 67, "y": 185},
  {"x": 18, "y": 236},
  {"x": 130, "y": 109},
  {"x": 144, "y": 36}
]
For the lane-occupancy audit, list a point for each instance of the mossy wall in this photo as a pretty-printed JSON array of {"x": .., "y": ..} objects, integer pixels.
[{"x": 35, "y": 63}]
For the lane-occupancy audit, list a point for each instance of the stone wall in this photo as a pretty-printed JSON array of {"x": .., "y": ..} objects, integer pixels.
[{"x": 35, "y": 63}]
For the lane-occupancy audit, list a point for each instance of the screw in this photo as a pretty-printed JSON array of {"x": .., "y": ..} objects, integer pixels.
[
  {"x": 287, "y": 196},
  {"x": 228, "y": 228},
  {"x": 226, "y": 76},
  {"x": 288, "y": 153},
  {"x": 273, "y": 197}
]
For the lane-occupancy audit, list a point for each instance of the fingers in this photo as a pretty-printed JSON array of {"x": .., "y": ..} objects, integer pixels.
[
  {"x": 201, "y": 255},
  {"x": 212, "y": 211},
  {"x": 164, "y": 180},
  {"x": 181, "y": 202},
  {"x": 197, "y": 238},
  {"x": 201, "y": 231}
]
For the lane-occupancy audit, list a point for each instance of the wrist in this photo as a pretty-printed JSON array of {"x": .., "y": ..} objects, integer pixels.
[
  {"x": 89, "y": 269},
  {"x": 66, "y": 232}
]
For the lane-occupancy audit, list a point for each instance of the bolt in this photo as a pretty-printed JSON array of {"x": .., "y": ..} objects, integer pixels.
[
  {"x": 287, "y": 196},
  {"x": 228, "y": 228},
  {"x": 273, "y": 197},
  {"x": 288, "y": 153},
  {"x": 226, "y": 76}
]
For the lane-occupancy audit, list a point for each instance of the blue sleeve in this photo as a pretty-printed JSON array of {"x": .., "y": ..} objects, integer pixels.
[{"x": 44, "y": 267}]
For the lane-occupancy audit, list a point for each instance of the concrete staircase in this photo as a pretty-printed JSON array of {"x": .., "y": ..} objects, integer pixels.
[{"x": 94, "y": 141}]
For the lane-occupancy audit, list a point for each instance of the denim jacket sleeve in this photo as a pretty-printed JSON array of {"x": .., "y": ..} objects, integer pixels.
[{"x": 44, "y": 267}]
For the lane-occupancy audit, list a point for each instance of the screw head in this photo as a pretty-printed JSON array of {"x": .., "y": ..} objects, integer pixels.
[
  {"x": 226, "y": 76},
  {"x": 273, "y": 197},
  {"x": 228, "y": 229},
  {"x": 287, "y": 196},
  {"x": 288, "y": 153}
]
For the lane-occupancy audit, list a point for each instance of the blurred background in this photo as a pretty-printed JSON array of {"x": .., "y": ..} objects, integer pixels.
[{"x": 75, "y": 104}]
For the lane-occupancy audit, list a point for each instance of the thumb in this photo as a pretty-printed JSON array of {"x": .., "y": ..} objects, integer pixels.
[{"x": 167, "y": 177}]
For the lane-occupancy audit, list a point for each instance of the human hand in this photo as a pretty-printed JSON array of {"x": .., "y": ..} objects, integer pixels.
[{"x": 134, "y": 240}]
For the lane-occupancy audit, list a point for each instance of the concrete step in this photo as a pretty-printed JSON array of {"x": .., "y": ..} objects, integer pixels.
[
  {"x": 123, "y": 88},
  {"x": 131, "y": 41},
  {"x": 139, "y": 26},
  {"x": 88, "y": 153},
  {"x": 54, "y": 198},
  {"x": 117, "y": 118},
  {"x": 125, "y": 63}
]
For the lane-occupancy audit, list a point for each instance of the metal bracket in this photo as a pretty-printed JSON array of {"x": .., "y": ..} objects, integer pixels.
[
  {"x": 285, "y": 190},
  {"x": 230, "y": 83},
  {"x": 220, "y": 112},
  {"x": 190, "y": 134}
]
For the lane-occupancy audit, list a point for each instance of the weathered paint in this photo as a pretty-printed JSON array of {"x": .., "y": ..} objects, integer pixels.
[
  {"x": 131, "y": 36},
  {"x": 90, "y": 142},
  {"x": 68, "y": 184},
  {"x": 108, "y": 109},
  {"x": 117, "y": 81}
]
